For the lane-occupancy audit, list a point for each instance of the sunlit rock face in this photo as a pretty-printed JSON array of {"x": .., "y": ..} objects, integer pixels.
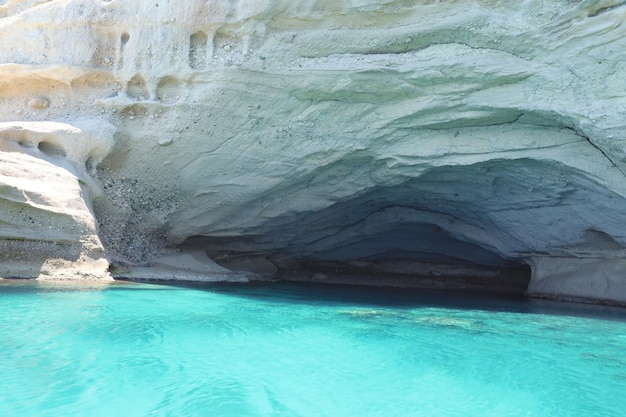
[
  {"x": 444, "y": 144},
  {"x": 47, "y": 227}
]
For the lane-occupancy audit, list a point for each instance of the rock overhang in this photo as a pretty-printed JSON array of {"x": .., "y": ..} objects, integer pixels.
[
  {"x": 451, "y": 135},
  {"x": 496, "y": 215}
]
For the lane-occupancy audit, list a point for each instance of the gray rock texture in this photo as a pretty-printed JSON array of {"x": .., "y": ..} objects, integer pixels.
[{"x": 428, "y": 143}]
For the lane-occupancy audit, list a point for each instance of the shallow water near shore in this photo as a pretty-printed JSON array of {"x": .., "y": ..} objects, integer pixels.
[{"x": 303, "y": 350}]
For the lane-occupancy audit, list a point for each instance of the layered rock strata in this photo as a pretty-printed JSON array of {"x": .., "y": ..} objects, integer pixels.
[
  {"x": 47, "y": 227},
  {"x": 452, "y": 143}
]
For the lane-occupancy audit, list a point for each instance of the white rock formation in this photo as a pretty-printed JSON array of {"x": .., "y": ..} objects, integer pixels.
[
  {"x": 47, "y": 228},
  {"x": 442, "y": 140}
]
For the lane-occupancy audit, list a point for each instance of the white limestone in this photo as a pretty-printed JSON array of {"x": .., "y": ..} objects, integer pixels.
[
  {"x": 451, "y": 138},
  {"x": 47, "y": 228}
]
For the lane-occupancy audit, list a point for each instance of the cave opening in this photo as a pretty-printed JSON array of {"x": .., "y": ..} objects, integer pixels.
[
  {"x": 474, "y": 227},
  {"x": 410, "y": 253},
  {"x": 455, "y": 228}
]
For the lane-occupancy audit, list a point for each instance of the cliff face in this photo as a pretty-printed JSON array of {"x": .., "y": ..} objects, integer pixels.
[
  {"x": 439, "y": 140},
  {"x": 47, "y": 228}
]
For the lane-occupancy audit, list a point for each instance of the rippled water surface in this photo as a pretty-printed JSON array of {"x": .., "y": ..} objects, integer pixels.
[{"x": 285, "y": 350}]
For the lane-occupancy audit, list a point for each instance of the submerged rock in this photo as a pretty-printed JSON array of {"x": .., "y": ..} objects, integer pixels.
[{"x": 455, "y": 144}]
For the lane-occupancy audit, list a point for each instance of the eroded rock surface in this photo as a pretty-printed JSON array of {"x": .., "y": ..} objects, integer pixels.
[
  {"x": 441, "y": 142},
  {"x": 47, "y": 228}
]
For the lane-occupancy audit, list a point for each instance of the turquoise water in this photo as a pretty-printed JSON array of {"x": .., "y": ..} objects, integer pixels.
[{"x": 286, "y": 350}]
